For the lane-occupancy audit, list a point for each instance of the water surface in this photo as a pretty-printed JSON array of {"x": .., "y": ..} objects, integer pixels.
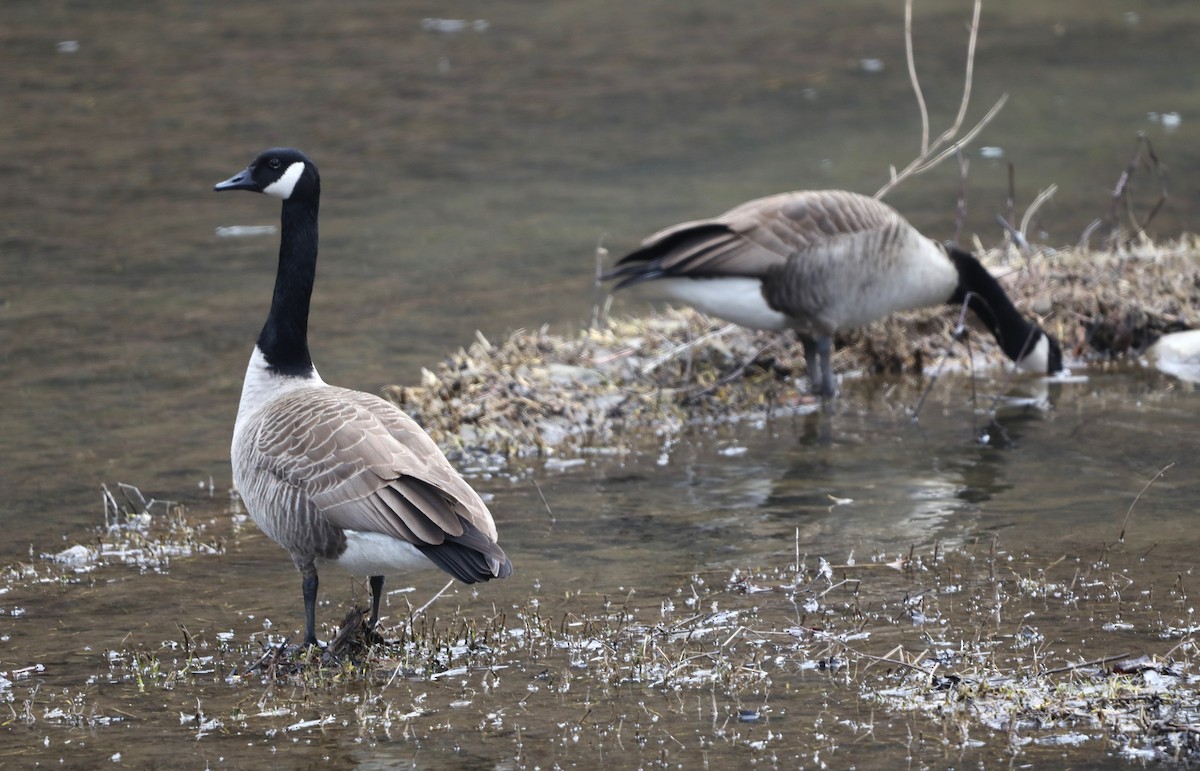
[{"x": 468, "y": 179}]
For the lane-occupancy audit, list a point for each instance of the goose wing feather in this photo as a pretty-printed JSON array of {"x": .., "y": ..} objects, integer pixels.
[
  {"x": 852, "y": 259},
  {"x": 365, "y": 465},
  {"x": 761, "y": 236},
  {"x": 795, "y": 223}
]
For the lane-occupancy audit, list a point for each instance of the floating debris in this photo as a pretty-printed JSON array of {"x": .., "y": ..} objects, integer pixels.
[
  {"x": 1168, "y": 120},
  {"x": 77, "y": 555},
  {"x": 979, "y": 673},
  {"x": 454, "y": 26},
  {"x": 244, "y": 231}
]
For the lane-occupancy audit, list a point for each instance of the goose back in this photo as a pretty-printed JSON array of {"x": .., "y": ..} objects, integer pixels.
[
  {"x": 822, "y": 260},
  {"x": 848, "y": 280}
]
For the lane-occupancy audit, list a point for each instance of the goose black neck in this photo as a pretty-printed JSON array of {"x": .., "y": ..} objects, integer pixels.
[
  {"x": 988, "y": 301},
  {"x": 284, "y": 338}
]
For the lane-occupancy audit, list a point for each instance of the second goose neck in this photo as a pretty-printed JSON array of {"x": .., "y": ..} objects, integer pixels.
[
  {"x": 991, "y": 306},
  {"x": 284, "y": 337}
]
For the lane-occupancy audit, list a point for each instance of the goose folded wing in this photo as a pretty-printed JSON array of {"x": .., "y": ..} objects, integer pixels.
[
  {"x": 809, "y": 220},
  {"x": 356, "y": 473},
  {"x": 758, "y": 237},
  {"x": 418, "y": 496},
  {"x": 704, "y": 249}
]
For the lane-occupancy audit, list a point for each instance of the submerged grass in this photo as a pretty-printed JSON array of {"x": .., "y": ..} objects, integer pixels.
[
  {"x": 545, "y": 393},
  {"x": 956, "y": 655}
]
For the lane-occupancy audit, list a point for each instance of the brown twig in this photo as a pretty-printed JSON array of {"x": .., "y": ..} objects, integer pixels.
[
  {"x": 1161, "y": 471},
  {"x": 545, "y": 503},
  {"x": 601, "y": 299},
  {"x": 1011, "y": 201},
  {"x": 1081, "y": 664},
  {"x": 1120, "y": 197}
]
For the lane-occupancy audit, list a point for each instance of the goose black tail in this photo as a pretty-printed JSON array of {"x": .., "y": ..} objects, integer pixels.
[
  {"x": 471, "y": 557},
  {"x": 660, "y": 257}
]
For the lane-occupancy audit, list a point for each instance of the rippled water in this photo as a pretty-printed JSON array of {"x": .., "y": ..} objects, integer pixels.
[{"x": 469, "y": 177}]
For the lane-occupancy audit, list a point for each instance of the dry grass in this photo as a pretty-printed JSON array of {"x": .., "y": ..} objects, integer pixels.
[{"x": 945, "y": 655}]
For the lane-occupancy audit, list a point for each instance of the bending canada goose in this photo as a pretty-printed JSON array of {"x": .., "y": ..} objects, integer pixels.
[
  {"x": 822, "y": 262},
  {"x": 332, "y": 474}
]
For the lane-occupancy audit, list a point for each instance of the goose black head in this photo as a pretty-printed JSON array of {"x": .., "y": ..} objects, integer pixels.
[{"x": 281, "y": 172}]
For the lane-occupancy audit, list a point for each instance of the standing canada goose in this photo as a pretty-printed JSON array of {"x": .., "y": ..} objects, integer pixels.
[
  {"x": 822, "y": 262},
  {"x": 335, "y": 475}
]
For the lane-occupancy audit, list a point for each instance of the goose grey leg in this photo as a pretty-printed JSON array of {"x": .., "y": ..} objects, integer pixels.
[
  {"x": 308, "y": 587},
  {"x": 376, "y": 593},
  {"x": 824, "y": 349},
  {"x": 811, "y": 365}
]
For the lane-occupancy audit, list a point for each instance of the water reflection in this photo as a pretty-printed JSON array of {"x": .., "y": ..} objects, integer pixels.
[
  {"x": 869, "y": 478},
  {"x": 758, "y": 494}
]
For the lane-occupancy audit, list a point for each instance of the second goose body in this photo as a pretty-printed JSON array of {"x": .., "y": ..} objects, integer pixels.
[
  {"x": 822, "y": 262},
  {"x": 335, "y": 475}
]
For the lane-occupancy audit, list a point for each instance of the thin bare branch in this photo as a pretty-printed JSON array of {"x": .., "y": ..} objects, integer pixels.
[
  {"x": 1138, "y": 497},
  {"x": 912, "y": 76},
  {"x": 960, "y": 212},
  {"x": 934, "y": 153},
  {"x": 1042, "y": 197},
  {"x": 968, "y": 77}
]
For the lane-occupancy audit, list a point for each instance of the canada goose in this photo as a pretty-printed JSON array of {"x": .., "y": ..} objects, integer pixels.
[
  {"x": 822, "y": 262},
  {"x": 335, "y": 475}
]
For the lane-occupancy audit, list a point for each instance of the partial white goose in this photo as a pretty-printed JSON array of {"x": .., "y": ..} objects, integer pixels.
[
  {"x": 822, "y": 262},
  {"x": 335, "y": 475},
  {"x": 1177, "y": 354}
]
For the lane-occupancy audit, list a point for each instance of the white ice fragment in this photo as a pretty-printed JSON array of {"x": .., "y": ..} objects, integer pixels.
[
  {"x": 76, "y": 555},
  {"x": 243, "y": 231},
  {"x": 454, "y": 26}
]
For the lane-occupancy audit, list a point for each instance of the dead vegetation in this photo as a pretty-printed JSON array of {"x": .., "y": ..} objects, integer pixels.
[
  {"x": 937, "y": 655},
  {"x": 538, "y": 392}
]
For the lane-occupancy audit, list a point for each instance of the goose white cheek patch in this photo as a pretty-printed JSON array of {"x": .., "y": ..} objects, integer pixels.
[{"x": 283, "y": 187}]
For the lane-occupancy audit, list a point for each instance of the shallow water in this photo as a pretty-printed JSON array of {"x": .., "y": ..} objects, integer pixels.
[
  {"x": 861, "y": 488},
  {"x": 468, "y": 179}
]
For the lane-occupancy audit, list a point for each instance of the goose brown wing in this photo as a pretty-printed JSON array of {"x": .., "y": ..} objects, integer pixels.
[
  {"x": 794, "y": 223},
  {"x": 754, "y": 239},
  {"x": 846, "y": 254},
  {"x": 365, "y": 465}
]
